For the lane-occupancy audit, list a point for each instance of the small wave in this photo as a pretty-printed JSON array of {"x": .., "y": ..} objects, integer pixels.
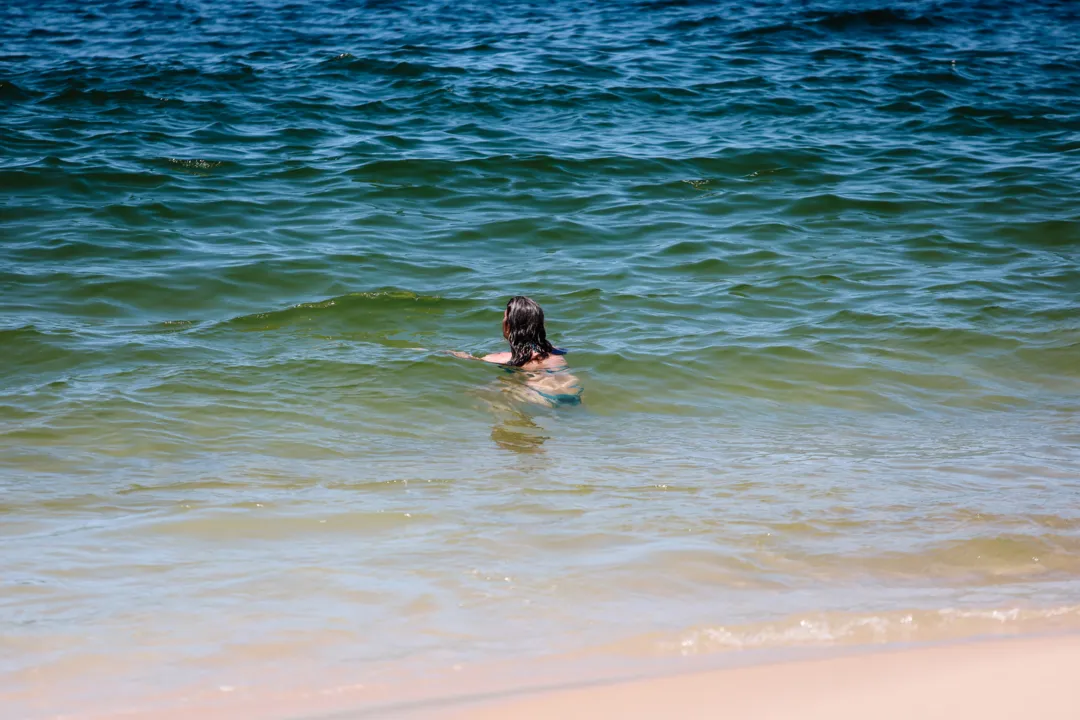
[
  {"x": 40, "y": 32},
  {"x": 908, "y": 108},
  {"x": 708, "y": 266},
  {"x": 578, "y": 68},
  {"x": 764, "y": 32},
  {"x": 754, "y": 82},
  {"x": 172, "y": 326},
  {"x": 1030, "y": 118},
  {"x": 10, "y": 92},
  {"x": 665, "y": 4},
  {"x": 846, "y": 20},
  {"x": 29, "y": 348},
  {"x": 927, "y": 79},
  {"x": 76, "y": 95},
  {"x": 839, "y": 53},
  {"x": 825, "y": 204},
  {"x": 347, "y": 63},
  {"x": 683, "y": 248},
  {"x": 656, "y": 95},
  {"x": 8, "y": 335},
  {"x": 1055, "y": 233},
  {"x": 735, "y": 162},
  {"x": 831, "y": 629},
  {"x": 479, "y": 47},
  {"x": 63, "y": 176},
  {"x": 360, "y": 312}
]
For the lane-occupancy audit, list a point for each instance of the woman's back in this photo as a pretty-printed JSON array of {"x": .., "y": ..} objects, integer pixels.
[
  {"x": 548, "y": 362},
  {"x": 544, "y": 375}
]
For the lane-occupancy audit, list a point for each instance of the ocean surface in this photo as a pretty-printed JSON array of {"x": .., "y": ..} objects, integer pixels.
[{"x": 817, "y": 266}]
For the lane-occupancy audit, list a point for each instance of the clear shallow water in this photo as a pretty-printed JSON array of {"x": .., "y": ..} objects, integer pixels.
[{"x": 817, "y": 270}]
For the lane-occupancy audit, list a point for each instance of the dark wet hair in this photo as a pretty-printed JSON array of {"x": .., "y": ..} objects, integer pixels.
[{"x": 523, "y": 327}]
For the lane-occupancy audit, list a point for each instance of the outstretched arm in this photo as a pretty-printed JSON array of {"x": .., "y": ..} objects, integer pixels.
[{"x": 497, "y": 358}]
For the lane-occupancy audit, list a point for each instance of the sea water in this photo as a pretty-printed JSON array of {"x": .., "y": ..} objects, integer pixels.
[{"x": 815, "y": 264}]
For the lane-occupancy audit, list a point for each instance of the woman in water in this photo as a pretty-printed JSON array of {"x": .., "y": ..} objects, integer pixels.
[{"x": 546, "y": 373}]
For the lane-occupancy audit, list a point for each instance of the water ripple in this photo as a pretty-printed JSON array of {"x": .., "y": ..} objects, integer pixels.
[{"x": 816, "y": 270}]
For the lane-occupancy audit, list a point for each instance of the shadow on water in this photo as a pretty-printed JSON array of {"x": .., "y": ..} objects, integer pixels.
[
  {"x": 515, "y": 431},
  {"x": 513, "y": 399}
]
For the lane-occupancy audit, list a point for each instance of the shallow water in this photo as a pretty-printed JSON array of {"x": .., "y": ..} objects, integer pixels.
[{"x": 817, "y": 271}]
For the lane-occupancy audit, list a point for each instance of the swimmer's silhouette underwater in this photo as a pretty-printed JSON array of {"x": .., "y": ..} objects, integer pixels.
[{"x": 542, "y": 367}]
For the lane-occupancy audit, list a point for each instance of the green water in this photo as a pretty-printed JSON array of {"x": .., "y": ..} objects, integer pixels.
[{"x": 817, "y": 271}]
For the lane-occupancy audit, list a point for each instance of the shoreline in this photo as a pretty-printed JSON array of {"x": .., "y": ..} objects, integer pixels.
[{"x": 988, "y": 678}]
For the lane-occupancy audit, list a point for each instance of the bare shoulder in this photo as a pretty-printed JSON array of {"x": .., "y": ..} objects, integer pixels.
[
  {"x": 551, "y": 362},
  {"x": 497, "y": 358}
]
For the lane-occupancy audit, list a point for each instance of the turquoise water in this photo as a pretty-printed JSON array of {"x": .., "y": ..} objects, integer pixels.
[{"x": 817, "y": 270}]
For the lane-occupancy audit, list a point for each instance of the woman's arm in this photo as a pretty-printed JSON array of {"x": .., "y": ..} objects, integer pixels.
[{"x": 497, "y": 358}]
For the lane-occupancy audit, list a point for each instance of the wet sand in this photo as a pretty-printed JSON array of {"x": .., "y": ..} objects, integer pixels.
[
  {"x": 1029, "y": 678},
  {"x": 988, "y": 680}
]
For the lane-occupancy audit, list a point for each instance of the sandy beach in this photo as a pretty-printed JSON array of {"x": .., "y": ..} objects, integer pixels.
[
  {"x": 988, "y": 679},
  {"x": 1025, "y": 678}
]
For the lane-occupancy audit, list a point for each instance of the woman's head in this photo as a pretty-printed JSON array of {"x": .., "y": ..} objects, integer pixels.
[{"x": 523, "y": 327}]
